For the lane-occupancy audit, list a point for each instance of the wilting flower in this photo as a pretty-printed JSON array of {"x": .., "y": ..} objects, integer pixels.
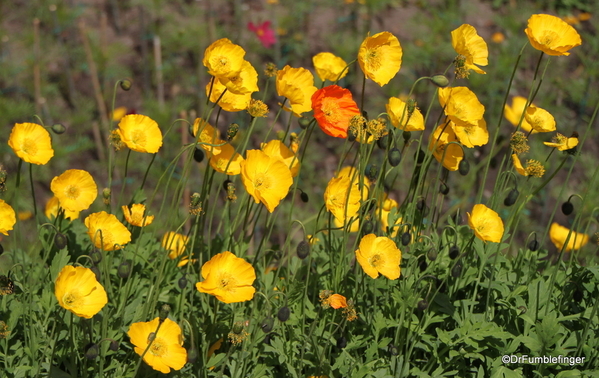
[
  {"x": 486, "y": 224},
  {"x": 227, "y": 161},
  {"x": 380, "y": 57},
  {"x": 297, "y": 84},
  {"x": 207, "y": 136},
  {"x": 558, "y": 235},
  {"x": 135, "y": 215},
  {"x": 461, "y": 105},
  {"x": 223, "y": 58},
  {"x": 166, "y": 350},
  {"x": 563, "y": 143},
  {"x": 342, "y": 198},
  {"x": 228, "y": 277},
  {"x": 519, "y": 142},
  {"x": 533, "y": 167},
  {"x": 328, "y": 299},
  {"x": 78, "y": 291},
  {"x": 467, "y": 43},
  {"x": 518, "y": 165},
  {"x": 379, "y": 255},
  {"x": 264, "y": 32},
  {"x": 471, "y": 136},
  {"x": 31, "y": 142},
  {"x": 267, "y": 179},
  {"x": 514, "y": 113},
  {"x": 329, "y": 66},
  {"x": 228, "y": 101},
  {"x": 8, "y": 217},
  {"x": 447, "y": 153},
  {"x": 403, "y": 116},
  {"x": 140, "y": 133},
  {"x": 174, "y": 243},
  {"x": 75, "y": 189},
  {"x": 539, "y": 119},
  {"x": 52, "y": 207},
  {"x": 106, "y": 232},
  {"x": 333, "y": 108},
  {"x": 551, "y": 35},
  {"x": 278, "y": 150}
]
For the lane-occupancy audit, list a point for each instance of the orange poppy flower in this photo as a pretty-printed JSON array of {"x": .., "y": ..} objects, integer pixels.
[{"x": 333, "y": 108}]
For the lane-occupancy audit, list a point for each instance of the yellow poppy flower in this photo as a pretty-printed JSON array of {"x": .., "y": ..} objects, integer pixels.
[
  {"x": 401, "y": 118},
  {"x": 106, "y": 232},
  {"x": 223, "y": 58},
  {"x": 466, "y": 42},
  {"x": 227, "y": 161},
  {"x": 379, "y": 255},
  {"x": 539, "y": 119},
  {"x": 486, "y": 224},
  {"x": 229, "y": 101},
  {"x": 328, "y": 66},
  {"x": 31, "y": 142},
  {"x": 166, "y": 350},
  {"x": 461, "y": 105},
  {"x": 380, "y": 56},
  {"x": 337, "y": 198},
  {"x": 228, "y": 277},
  {"x": 246, "y": 81},
  {"x": 266, "y": 179},
  {"x": 385, "y": 207},
  {"x": 77, "y": 290},
  {"x": 52, "y": 207},
  {"x": 351, "y": 173},
  {"x": 558, "y": 235},
  {"x": 208, "y": 137},
  {"x": 135, "y": 215},
  {"x": 140, "y": 133},
  {"x": 297, "y": 84},
  {"x": 439, "y": 142},
  {"x": 278, "y": 150},
  {"x": 472, "y": 136},
  {"x": 119, "y": 113},
  {"x": 514, "y": 112},
  {"x": 498, "y": 37},
  {"x": 174, "y": 243},
  {"x": 24, "y": 215},
  {"x": 551, "y": 35},
  {"x": 563, "y": 143},
  {"x": 75, "y": 189},
  {"x": 8, "y": 217}
]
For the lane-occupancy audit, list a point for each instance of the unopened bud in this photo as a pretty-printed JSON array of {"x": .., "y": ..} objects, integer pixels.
[
  {"x": 456, "y": 271},
  {"x": 511, "y": 198},
  {"x": 96, "y": 256},
  {"x": 422, "y": 264},
  {"x": 454, "y": 251},
  {"x": 124, "y": 269},
  {"x": 577, "y": 295},
  {"x": 440, "y": 81},
  {"x": 341, "y": 342},
  {"x": 304, "y": 197},
  {"x": 464, "y": 167},
  {"x": 125, "y": 84},
  {"x": 165, "y": 309},
  {"x": 406, "y": 135},
  {"x": 267, "y": 324},
  {"x": 432, "y": 254},
  {"x": 423, "y": 305},
  {"x": 58, "y": 128},
  {"x": 114, "y": 345},
  {"x": 192, "y": 354},
  {"x": 91, "y": 351},
  {"x": 303, "y": 249},
  {"x": 303, "y": 122},
  {"x": 382, "y": 142},
  {"x": 392, "y": 349},
  {"x": 198, "y": 154},
  {"x": 444, "y": 189},
  {"x": 60, "y": 240},
  {"x": 182, "y": 283},
  {"x": 567, "y": 208},
  {"x": 394, "y": 157},
  {"x": 96, "y": 270},
  {"x": 283, "y": 314},
  {"x": 406, "y": 238},
  {"x": 533, "y": 245},
  {"x": 367, "y": 227}
]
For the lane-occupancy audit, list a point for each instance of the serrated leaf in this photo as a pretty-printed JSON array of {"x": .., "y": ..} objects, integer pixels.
[{"x": 58, "y": 262}]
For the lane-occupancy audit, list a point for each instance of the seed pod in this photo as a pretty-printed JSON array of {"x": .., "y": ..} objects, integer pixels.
[
  {"x": 303, "y": 249},
  {"x": 58, "y": 128},
  {"x": 341, "y": 342},
  {"x": 165, "y": 309},
  {"x": 464, "y": 167},
  {"x": 114, "y": 345},
  {"x": 226, "y": 184},
  {"x": 567, "y": 208},
  {"x": 304, "y": 197},
  {"x": 238, "y": 328},
  {"x": 267, "y": 324},
  {"x": 440, "y": 81},
  {"x": 91, "y": 351},
  {"x": 511, "y": 198},
  {"x": 125, "y": 84},
  {"x": 406, "y": 238},
  {"x": 124, "y": 270},
  {"x": 454, "y": 251},
  {"x": 60, "y": 240},
  {"x": 423, "y": 305},
  {"x": 443, "y": 189},
  {"x": 533, "y": 245},
  {"x": 182, "y": 283},
  {"x": 394, "y": 157},
  {"x": 232, "y": 131},
  {"x": 283, "y": 314},
  {"x": 456, "y": 271},
  {"x": 198, "y": 155}
]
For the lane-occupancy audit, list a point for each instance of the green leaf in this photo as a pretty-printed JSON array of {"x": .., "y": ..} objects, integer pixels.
[{"x": 58, "y": 262}]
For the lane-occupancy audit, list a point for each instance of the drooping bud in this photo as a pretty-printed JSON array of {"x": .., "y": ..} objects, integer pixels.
[
  {"x": 394, "y": 157},
  {"x": 60, "y": 240},
  {"x": 372, "y": 172},
  {"x": 267, "y": 324},
  {"x": 114, "y": 345},
  {"x": 165, "y": 309},
  {"x": 91, "y": 351},
  {"x": 198, "y": 154},
  {"x": 567, "y": 207},
  {"x": 106, "y": 194},
  {"x": 304, "y": 197},
  {"x": 443, "y": 189},
  {"x": 96, "y": 256},
  {"x": 58, "y": 128},
  {"x": 303, "y": 249},
  {"x": 533, "y": 245},
  {"x": 406, "y": 238},
  {"x": 303, "y": 122},
  {"x": 464, "y": 167},
  {"x": 578, "y": 295},
  {"x": 419, "y": 156},
  {"x": 392, "y": 349},
  {"x": 341, "y": 342},
  {"x": 125, "y": 84},
  {"x": 440, "y": 81},
  {"x": 283, "y": 314},
  {"x": 456, "y": 271},
  {"x": 124, "y": 269},
  {"x": 96, "y": 270},
  {"x": 432, "y": 254},
  {"x": 454, "y": 251},
  {"x": 423, "y": 305},
  {"x": 367, "y": 227},
  {"x": 511, "y": 198},
  {"x": 192, "y": 354},
  {"x": 182, "y": 282},
  {"x": 382, "y": 142}
]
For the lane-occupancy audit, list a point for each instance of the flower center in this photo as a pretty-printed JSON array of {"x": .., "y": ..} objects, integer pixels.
[
  {"x": 373, "y": 60},
  {"x": 548, "y": 37},
  {"x": 262, "y": 181},
  {"x": 222, "y": 62},
  {"x": 376, "y": 260},
  {"x": 72, "y": 192},
  {"x": 72, "y": 299},
  {"x": 29, "y": 147},
  {"x": 158, "y": 347},
  {"x": 227, "y": 282},
  {"x": 139, "y": 137},
  {"x": 330, "y": 108}
]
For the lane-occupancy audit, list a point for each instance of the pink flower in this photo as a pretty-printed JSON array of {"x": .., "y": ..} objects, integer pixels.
[{"x": 264, "y": 33}]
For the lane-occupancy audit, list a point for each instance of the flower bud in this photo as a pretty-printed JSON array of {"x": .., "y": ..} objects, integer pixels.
[
  {"x": 456, "y": 271},
  {"x": 443, "y": 189},
  {"x": 91, "y": 351},
  {"x": 304, "y": 197},
  {"x": 406, "y": 238},
  {"x": 58, "y": 128},
  {"x": 96, "y": 256},
  {"x": 394, "y": 157},
  {"x": 267, "y": 339},
  {"x": 454, "y": 251},
  {"x": 422, "y": 264},
  {"x": 511, "y": 198},
  {"x": 341, "y": 342},
  {"x": 192, "y": 354},
  {"x": 198, "y": 154},
  {"x": 114, "y": 345},
  {"x": 440, "y": 81},
  {"x": 267, "y": 324},
  {"x": 165, "y": 309},
  {"x": 423, "y": 305},
  {"x": 382, "y": 142},
  {"x": 464, "y": 167},
  {"x": 238, "y": 328},
  {"x": 533, "y": 245},
  {"x": 567, "y": 208},
  {"x": 392, "y": 349},
  {"x": 182, "y": 282},
  {"x": 60, "y": 240},
  {"x": 303, "y": 249},
  {"x": 303, "y": 123},
  {"x": 125, "y": 84},
  {"x": 406, "y": 136},
  {"x": 232, "y": 131},
  {"x": 522, "y": 309},
  {"x": 432, "y": 254},
  {"x": 106, "y": 194},
  {"x": 124, "y": 269},
  {"x": 367, "y": 227},
  {"x": 372, "y": 172},
  {"x": 283, "y": 314},
  {"x": 419, "y": 156}
]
